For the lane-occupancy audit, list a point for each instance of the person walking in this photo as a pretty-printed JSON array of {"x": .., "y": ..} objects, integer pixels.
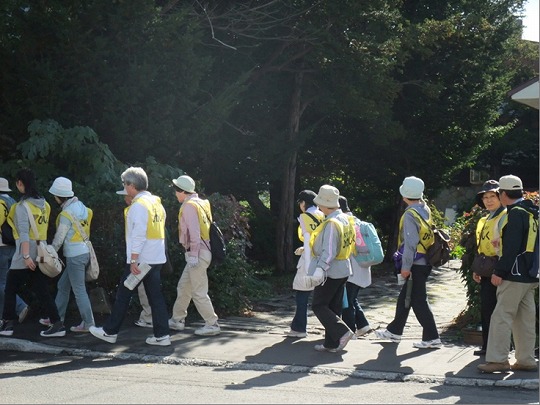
[
  {"x": 145, "y": 244},
  {"x": 75, "y": 251},
  {"x": 488, "y": 243},
  {"x": 145, "y": 318},
  {"x": 353, "y": 314},
  {"x": 194, "y": 218},
  {"x": 414, "y": 268},
  {"x": 515, "y": 311},
  {"x": 24, "y": 270},
  {"x": 332, "y": 245},
  {"x": 7, "y": 249},
  {"x": 309, "y": 219}
]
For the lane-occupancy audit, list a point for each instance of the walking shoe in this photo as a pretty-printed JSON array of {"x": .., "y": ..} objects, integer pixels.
[
  {"x": 521, "y": 367},
  {"x": 160, "y": 341},
  {"x": 295, "y": 334},
  {"x": 208, "y": 330},
  {"x": 45, "y": 321},
  {"x": 321, "y": 348},
  {"x": 143, "y": 324},
  {"x": 385, "y": 335},
  {"x": 100, "y": 334},
  {"x": 344, "y": 340},
  {"x": 23, "y": 314},
  {"x": 492, "y": 367},
  {"x": 81, "y": 328},
  {"x": 176, "y": 325},
  {"x": 55, "y": 330},
  {"x": 428, "y": 344},
  {"x": 7, "y": 328},
  {"x": 364, "y": 331}
]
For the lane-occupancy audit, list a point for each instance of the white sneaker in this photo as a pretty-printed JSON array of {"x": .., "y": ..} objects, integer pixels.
[
  {"x": 295, "y": 334},
  {"x": 143, "y": 324},
  {"x": 160, "y": 341},
  {"x": 176, "y": 325},
  {"x": 321, "y": 348},
  {"x": 344, "y": 340},
  {"x": 428, "y": 344},
  {"x": 385, "y": 335},
  {"x": 208, "y": 330},
  {"x": 364, "y": 331},
  {"x": 100, "y": 334}
]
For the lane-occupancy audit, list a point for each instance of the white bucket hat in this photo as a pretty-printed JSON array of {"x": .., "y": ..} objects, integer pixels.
[
  {"x": 4, "y": 185},
  {"x": 122, "y": 192},
  {"x": 412, "y": 188},
  {"x": 185, "y": 183},
  {"x": 510, "y": 182},
  {"x": 61, "y": 187},
  {"x": 328, "y": 197}
]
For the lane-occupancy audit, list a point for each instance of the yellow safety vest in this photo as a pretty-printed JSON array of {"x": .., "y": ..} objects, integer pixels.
[
  {"x": 487, "y": 230},
  {"x": 346, "y": 233},
  {"x": 427, "y": 237},
  {"x": 41, "y": 216},
  {"x": 204, "y": 218},
  {"x": 155, "y": 228},
  {"x": 85, "y": 224},
  {"x": 310, "y": 223}
]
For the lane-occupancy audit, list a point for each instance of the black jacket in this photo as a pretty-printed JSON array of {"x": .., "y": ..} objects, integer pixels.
[{"x": 514, "y": 240}]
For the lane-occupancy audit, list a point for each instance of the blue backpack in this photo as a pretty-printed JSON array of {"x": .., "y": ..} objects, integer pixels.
[{"x": 369, "y": 251}]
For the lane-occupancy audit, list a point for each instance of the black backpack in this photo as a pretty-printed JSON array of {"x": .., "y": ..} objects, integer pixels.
[
  {"x": 438, "y": 254},
  {"x": 218, "y": 246},
  {"x": 5, "y": 229}
]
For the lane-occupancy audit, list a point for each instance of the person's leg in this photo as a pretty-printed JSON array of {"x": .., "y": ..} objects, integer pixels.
[
  {"x": 146, "y": 313},
  {"x": 401, "y": 314},
  {"x": 523, "y": 329},
  {"x": 121, "y": 304},
  {"x": 6, "y": 253},
  {"x": 152, "y": 285},
  {"x": 199, "y": 285},
  {"x": 14, "y": 280},
  {"x": 63, "y": 290},
  {"x": 299, "y": 322},
  {"x": 488, "y": 300},
  {"x": 77, "y": 276},
  {"x": 420, "y": 304},
  {"x": 40, "y": 286},
  {"x": 348, "y": 314},
  {"x": 183, "y": 296}
]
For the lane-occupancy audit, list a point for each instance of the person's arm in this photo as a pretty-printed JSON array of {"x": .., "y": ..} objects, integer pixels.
[{"x": 61, "y": 232}]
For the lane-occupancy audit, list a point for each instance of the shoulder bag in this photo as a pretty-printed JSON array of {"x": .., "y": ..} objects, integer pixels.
[{"x": 92, "y": 268}]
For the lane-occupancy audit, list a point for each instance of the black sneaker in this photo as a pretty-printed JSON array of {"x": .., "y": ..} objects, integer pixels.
[
  {"x": 55, "y": 330},
  {"x": 6, "y": 328}
]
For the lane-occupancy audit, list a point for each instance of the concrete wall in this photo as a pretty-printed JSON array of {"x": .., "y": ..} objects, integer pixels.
[{"x": 452, "y": 199}]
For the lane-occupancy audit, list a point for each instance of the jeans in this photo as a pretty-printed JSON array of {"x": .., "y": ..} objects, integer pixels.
[
  {"x": 16, "y": 279},
  {"x": 419, "y": 304},
  {"x": 488, "y": 301},
  {"x": 299, "y": 322},
  {"x": 6, "y": 253},
  {"x": 327, "y": 305},
  {"x": 353, "y": 315},
  {"x": 72, "y": 278},
  {"x": 152, "y": 285}
]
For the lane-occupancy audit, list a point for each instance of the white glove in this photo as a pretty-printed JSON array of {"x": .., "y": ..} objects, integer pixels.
[
  {"x": 299, "y": 251},
  {"x": 318, "y": 278},
  {"x": 192, "y": 261}
]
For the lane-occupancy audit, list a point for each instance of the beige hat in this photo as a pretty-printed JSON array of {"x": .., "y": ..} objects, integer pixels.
[
  {"x": 61, "y": 187},
  {"x": 122, "y": 192},
  {"x": 412, "y": 188},
  {"x": 185, "y": 183},
  {"x": 510, "y": 182},
  {"x": 328, "y": 197},
  {"x": 4, "y": 185}
]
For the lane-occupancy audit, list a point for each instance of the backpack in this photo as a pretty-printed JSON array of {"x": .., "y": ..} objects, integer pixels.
[
  {"x": 529, "y": 257},
  {"x": 5, "y": 229},
  {"x": 218, "y": 246},
  {"x": 369, "y": 251},
  {"x": 438, "y": 254}
]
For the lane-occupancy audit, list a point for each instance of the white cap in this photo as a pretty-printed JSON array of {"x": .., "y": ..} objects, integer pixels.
[
  {"x": 185, "y": 183},
  {"x": 61, "y": 187},
  {"x": 328, "y": 197},
  {"x": 412, "y": 188},
  {"x": 510, "y": 182},
  {"x": 4, "y": 185},
  {"x": 122, "y": 192}
]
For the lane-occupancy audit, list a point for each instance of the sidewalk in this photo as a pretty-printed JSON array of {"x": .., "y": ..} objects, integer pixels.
[{"x": 258, "y": 343}]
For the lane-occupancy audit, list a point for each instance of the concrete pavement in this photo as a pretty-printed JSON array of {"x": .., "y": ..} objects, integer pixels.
[{"x": 258, "y": 343}]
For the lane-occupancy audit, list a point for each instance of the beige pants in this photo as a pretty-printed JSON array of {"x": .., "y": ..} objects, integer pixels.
[
  {"x": 193, "y": 285},
  {"x": 514, "y": 315}
]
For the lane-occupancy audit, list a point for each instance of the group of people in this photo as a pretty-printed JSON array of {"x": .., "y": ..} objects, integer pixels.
[
  {"x": 325, "y": 265},
  {"x": 145, "y": 243},
  {"x": 508, "y": 307}
]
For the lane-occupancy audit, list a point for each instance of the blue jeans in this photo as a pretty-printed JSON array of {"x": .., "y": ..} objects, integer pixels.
[
  {"x": 353, "y": 315},
  {"x": 6, "y": 253},
  {"x": 299, "y": 322},
  {"x": 152, "y": 286},
  {"x": 72, "y": 278}
]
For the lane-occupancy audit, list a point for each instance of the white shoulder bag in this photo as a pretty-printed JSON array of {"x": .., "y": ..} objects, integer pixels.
[{"x": 92, "y": 268}]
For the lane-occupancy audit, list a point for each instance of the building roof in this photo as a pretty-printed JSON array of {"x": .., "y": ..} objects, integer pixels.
[{"x": 527, "y": 93}]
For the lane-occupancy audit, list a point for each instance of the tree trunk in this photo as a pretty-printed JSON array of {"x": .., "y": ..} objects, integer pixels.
[{"x": 286, "y": 224}]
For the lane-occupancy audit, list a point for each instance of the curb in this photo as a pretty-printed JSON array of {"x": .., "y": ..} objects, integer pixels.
[{"x": 32, "y": 347}]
